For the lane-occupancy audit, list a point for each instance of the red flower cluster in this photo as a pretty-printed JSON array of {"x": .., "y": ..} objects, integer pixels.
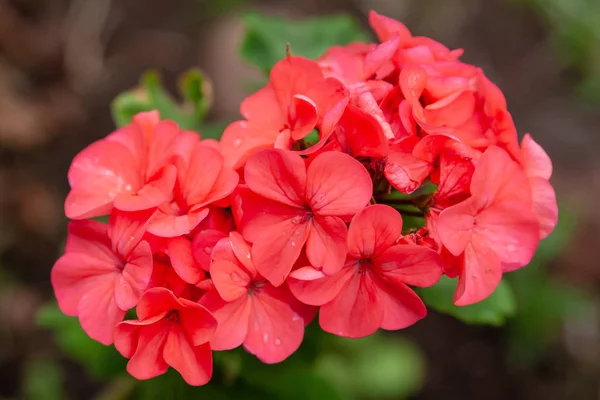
[{"x": 300, "y": 209}]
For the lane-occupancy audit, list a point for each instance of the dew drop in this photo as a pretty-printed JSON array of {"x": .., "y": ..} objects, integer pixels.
[
  {"x": 237, "y": 142},
  {"x": 248, "y": 255},
  {"x": 295, "y": 221},
  {"x": 296, "y": 317},
  {"x": 235, "y": 277},
  {"x": 207, "y": 250},
  {"x": 265, "y": 337},
  {"x": 277, "y": 341},
  {"x": 293, "y": 243},
  {"x": 128, "y": 188}
]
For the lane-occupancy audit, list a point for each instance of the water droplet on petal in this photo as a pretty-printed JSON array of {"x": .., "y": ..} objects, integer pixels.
[
  {"x": 293, "y": 243},
  {"x": 128, "y": 188},
  {"x": 265, "y": 337},
  {"x": 296, "y": 317},
  {"x": 295, "y": 221},
  {"x": 248, "y": 256},
  {"x": 207, "y": 250},
  {"x": 237, "y": 142},
  {"x": 235, "y": 277},
  {"x": 277, "y": 341}
]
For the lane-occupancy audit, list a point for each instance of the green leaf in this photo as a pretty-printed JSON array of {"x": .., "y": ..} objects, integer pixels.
[
  {"x": 494, "y": 310},
  {"x": 150, "y": 95},
  {"x": 266, "y": 37},
  {"x": 378, "y": 366},
  {"x": 100, "y": 361},
  {"x": 43, "y": 380}
]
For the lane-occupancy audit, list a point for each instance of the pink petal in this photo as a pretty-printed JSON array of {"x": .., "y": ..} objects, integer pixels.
[
  {"x": 386, "y": 28},
  {"x": 170, "y": 225},
  {"x": 276, "y": 250},
  {"x": 126, "y": 229},
  {"x": 254, "y": 214},
  {"x": 275, "y": 330},
  {"x": 225, "y": 184},
  {"x": 232, "y": 318},
  {"x": 373, "y": 230},
  {"x": 156, "y": 301},
  {"x": 405, "y": 171},
  {"x": 277, "y": 175},
  {"x": 148, "y": 361},
  {"x": 197, "y": 322},
  {"x": 135, "y": 277},
  {"x": 534, "y": 159},
  {"x": 497, "y": 178},
  {"x": 99, "y": 174},
  {"x": 456, "y": 224},
  {"x": 510, "y": 229},
  {"x": 73, "y": 274},
  {"x": 356, "y": 311},
  {"x": 203, "y": 244},
  {"x": 481, "y": 274},
  {"x": 326, "y": 243},
  {"x": 98, "y": 313},
  {"x": 193, "y": 363},
  {"x": 303, "y": 115},
  {"x": 90, "y": 238},
  {"x": 243, "y": 139},
  {"x": 253, "y": 109},
  {"x": 410, "y": 264},
  {"x": 363, "y": 133},
  {"x": 243, "y": 252},
  {"x": 126, "y": 335},
  {"x": 544, "y": 205},
  {"x": 320, "y": 291},
  {"x": 401, "y": 306},
  {"x": 161, "y": 146},
  {"x": 180, "y": 254},
  {"x": 337, "y": 185},
  {"x": 230, "y": 278},
  {"x": 293, "y": 75},
  {"x": 155, "y": 192}
]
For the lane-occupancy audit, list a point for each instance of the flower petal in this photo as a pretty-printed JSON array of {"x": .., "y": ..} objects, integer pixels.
[
  {"x": 232, "y": 318},
  {"x": 534, "y": 159},
  {"x": 337, "y": 184},
  {"x": 401, "y": 306},
  {"x": 410, "y": 264},
  {"x": 481, "y": 274},
  {"x": 230, "y": 277},
  {"x": 155, "y": 192},
  {"x": 180, "y": 254},
  {"x": 326, "y": 244},
  {"x": 322, "y": 290},
  {"x": 193, "y": 363},
  {"x": 356, "y": 311},
  {"x": 135, "y": 277},
  {"x": 373, "y": 230},
  {"x": 148, "y": 361},
  {"x": 278, "y": 175},
  {"x": 98, "y": 313}
]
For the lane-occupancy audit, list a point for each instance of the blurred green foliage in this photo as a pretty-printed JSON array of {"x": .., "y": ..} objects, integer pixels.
[
  {"x": 267, "y": 36},
  {"x": 492, "y": 311}
]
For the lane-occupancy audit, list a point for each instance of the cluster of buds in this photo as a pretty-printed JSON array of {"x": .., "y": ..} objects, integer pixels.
[{"x": 299, "y": 209}]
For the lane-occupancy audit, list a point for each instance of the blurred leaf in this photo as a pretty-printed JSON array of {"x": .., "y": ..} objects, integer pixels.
[
  {"x": 376, "y": 367},
  {"x": 150, "y": 95},
  {"x": 43, "y": 380},
  {"x": 492, "y": 311},
  {"x": 266, "y": 37},
  {"x": 100, "y": 361}
]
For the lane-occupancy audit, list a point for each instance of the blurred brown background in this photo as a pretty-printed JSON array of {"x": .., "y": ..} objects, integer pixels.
[{"x": 62, "y": 62}]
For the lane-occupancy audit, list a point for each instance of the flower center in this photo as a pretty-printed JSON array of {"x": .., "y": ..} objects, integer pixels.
[
  {"x": 172, "y": 316},
  {"x": 364, "y": 264}
]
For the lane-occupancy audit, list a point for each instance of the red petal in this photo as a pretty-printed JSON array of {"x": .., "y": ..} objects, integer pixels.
[
  {"x": 254, "y": 106},
  {"x": 231, "y": 279},
  {"x": 277, "y": 175},
  {"x": 98, "y": 313},
  {"x": 203, "y": 244},
  {"x": 276, "y": 250},
  {"x": 232, "y": 317},
  {"x": 97, "y": 176},
  {"x": 401, "y": 306},
  {"x": 356, "y": 311},
  {"x": 293, "y": 75},
  {"x": 363, "y": 133},
  {"x": 197, "y": 322},
  {"x": 126, "y": 229},
  {"x": 326, "y": 244},
  {"x": 410, "y": 264},
  {"x": 180, "y": 254},
  {"x": 148, "y": 361},
  {"x": 243, "y": 139},
  {"x": 373, "y": 230},
  {"x": 193, "y": 363},
  {"x": 156, "y": 301},
  {"x": 405, "y": 171},
  {"x": 456, "y": 224},
  {"x": 303, "y": 116},
  {"x": 480, "y": 276},
  {"x": 169, "y": 225},
  {"x": 135, "y": 277},
  {"x": 386, "y": 28},
  {"x": 126, "y": 335},
  {"x": 161, "y": 146},
  {"x": 337, "y": 184},
  {"x": 155, "y": 192},
  {"x": 535, "y": 160},
  {"x": 90, "y": 238},
  {"x": 320, "y": 291},
  {"x": 544, "y": 205},
  {"x": 275, "y": 330}
]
